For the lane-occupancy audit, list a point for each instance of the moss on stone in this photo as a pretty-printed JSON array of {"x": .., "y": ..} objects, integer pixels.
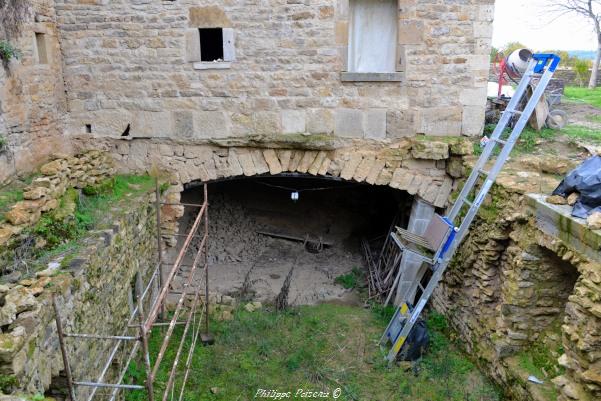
[{"x": 7, "y": 383}]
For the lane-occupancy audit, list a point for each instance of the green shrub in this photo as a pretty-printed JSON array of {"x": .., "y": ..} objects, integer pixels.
[
  {"x": 581, "y": 68},
  {"x": 106, "y": 187},
  {"x": 8, "y": 52},
  {"x": 350, "y": 280},
  {"x": 7, "y": 383}
]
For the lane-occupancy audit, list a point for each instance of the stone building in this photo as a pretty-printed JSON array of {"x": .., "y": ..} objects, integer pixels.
[{"x": 206, "y": 70}]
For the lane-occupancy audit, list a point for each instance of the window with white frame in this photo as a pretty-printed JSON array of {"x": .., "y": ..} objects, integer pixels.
[
  {"x": 373, "y": 30},
  {"x": 210, "y": 48}
]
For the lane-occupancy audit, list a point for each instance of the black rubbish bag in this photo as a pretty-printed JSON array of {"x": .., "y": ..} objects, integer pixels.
[
  {"x": 417, "y": 342},
  {"x": 586, "y": 180}
]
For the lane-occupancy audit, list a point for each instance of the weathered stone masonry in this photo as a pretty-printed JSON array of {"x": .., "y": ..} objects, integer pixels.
[
  {"x": 518, "y": 286},
  {"x": 127, "y": 65},
  {"x": 33, "y": 103},
  {"x": 93, "y": 290}
]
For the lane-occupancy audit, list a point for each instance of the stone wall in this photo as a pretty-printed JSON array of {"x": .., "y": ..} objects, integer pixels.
[
  {"x": 44, "y": 193},
  {"x": 424, "y": 166},
  {"x": 32, "y": 95},
  {"x": 93, "y": 290},
  {"x": 132, "y": 69},
  {"x": 517, "y": 293}
]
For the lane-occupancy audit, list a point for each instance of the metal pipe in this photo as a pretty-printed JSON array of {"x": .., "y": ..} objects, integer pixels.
[
  {"x": 180, "y": 347},
  {"x": 110, "y": 385},
  {"x": 132, "y": 353},
  {"x": 61, "y": 342},
  {"x": 181, "y": 204},
  {"x": 109, "y": 362},
  {"x": 176, "y": 313},
  {"x": 206, "y": 194},
  {"x": 155, "y": 310},
  {"x": 159, "y": 235},
  {"x": 98, "y": 337},
  {"x": 145, "y": 350}
]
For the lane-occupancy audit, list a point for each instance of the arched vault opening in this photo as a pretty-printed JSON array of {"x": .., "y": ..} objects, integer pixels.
[{"x": 263, "y": 227}]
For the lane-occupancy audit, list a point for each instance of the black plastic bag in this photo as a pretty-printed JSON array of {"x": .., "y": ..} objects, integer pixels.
[
  {"x": 586, "y": 180},
  {"x": 417, "y": 342}
]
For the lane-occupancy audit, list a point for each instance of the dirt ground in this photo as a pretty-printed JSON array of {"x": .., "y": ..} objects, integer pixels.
[
  {"x": 241, "y": 260},
  {"x": 583, "y": 115}
]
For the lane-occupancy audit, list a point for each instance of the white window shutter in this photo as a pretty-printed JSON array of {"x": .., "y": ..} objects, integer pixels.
[
  {"x": 229, "y": 44},
  {"x": 192, "y": 45}
]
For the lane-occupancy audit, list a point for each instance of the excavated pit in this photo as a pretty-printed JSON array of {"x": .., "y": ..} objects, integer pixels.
[{"x": 327, "y": 221}]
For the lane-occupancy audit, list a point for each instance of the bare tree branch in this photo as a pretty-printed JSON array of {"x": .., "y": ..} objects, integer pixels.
[{"x": 591, "y": 11}]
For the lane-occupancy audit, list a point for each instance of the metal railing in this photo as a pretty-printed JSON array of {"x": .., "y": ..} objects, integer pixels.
[{"x": 190, "y": 318}]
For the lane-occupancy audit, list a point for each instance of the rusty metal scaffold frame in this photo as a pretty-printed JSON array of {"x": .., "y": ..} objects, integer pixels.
[{"x": 154, "y": 318}]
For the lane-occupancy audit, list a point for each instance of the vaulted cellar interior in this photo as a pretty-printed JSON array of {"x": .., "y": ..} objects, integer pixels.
[{"x": 262, "y": 227}]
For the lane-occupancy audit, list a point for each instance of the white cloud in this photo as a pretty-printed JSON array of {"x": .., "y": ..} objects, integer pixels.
[{"x": 527, "y": 21}]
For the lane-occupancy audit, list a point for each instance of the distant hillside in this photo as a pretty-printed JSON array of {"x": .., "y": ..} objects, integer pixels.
[{"x": 583, "y": 54}]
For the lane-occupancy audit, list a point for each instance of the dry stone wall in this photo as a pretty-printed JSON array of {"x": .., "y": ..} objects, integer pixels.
[
  {"x": 515, "y": 293},
  {"x": 93, "y": 291},
  {"x": 131, "y": 68},
  {"x": 32, "y": 95},
  {"x": 44, "y": 193}
]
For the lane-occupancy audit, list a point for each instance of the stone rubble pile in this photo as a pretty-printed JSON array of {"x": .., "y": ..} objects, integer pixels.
[
  {"x": 44, "y": 193},
  {"x": 232, "y": 232}
]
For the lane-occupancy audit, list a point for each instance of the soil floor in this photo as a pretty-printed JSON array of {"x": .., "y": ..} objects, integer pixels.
[{"x": 247, "y": 264}]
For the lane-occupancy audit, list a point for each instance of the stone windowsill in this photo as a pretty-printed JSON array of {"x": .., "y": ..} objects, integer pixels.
[
  {"x": 212, "y": 65},
  {"x": 371, "y": 76}
]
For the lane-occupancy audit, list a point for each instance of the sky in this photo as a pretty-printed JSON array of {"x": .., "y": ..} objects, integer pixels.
[{"x": 525, "y": 21}]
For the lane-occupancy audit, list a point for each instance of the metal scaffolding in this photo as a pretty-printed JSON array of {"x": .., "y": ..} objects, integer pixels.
[{"x": 155, "y": 295}]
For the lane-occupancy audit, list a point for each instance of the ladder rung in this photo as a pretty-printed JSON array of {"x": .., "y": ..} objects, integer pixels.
[
  {"x": 513, "y": 111},
  {"x": 421, "y": 287},
  {"x": 484, "y": 172},
  {"x": 500, "y": 141},
  {"x": 466, "y": 201}
]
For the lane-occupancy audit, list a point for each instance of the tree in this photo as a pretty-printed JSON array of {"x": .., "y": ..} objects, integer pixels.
[
  {"x": 511, "y": 47},
  {"x": 581, "y": 68},
  {"x": 493, "y": 54},
  {"x": 591, "y": 11}
]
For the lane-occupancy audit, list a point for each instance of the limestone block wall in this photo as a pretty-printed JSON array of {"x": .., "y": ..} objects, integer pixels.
[
  {"x": 132, "y": 68},
  {"x": 93, "y": 290},
  {"x": 32, "y": 94}
]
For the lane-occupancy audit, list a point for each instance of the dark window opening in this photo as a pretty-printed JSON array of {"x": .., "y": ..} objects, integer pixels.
[
  {"x": 211, "y": 44},
  {"x": 40, "y": 42},
  {"x": 88, "y": 128}
]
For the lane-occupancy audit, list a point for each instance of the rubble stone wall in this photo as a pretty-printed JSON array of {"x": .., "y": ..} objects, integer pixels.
[
  {"x": 32, "y": 95},
  {"x": 45, "y": 192},
  {"x": 515, "y": 293},
  {"x": 131, "y": 68},
  {"x": 93, "y": 290}
]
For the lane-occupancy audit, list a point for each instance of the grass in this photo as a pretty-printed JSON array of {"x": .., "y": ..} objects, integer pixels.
[
  {"x": 590, "y": 96},
  {"x": 350, "y": 280},
  {"x": 13, "y": 193},
  {"x": 317, "y": 348},
  {"x": 58, "y": 232}
]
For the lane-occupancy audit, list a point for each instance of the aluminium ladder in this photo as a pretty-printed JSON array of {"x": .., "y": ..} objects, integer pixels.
[{"x": 444, "y": 234}]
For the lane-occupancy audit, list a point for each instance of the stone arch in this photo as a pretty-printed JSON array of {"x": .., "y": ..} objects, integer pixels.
[
  {"x": 397, "y": 168},
  {"x": 425, "y": 167}
]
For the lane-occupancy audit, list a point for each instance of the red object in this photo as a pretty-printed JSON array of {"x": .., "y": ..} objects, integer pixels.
[{"x": 501, "y": 70}]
